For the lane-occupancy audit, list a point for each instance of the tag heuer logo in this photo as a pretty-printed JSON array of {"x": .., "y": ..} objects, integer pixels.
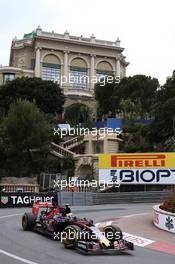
[{"x": 4, "y": 199}]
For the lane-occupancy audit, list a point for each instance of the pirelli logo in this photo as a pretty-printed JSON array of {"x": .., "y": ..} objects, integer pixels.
[
  {"x": 137, "y": 168},
  {"x": 138, "y": 160}
]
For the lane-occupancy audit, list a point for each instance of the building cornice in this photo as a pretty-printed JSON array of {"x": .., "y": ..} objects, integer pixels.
[
  {"x": 103, "y": 44},
  {"x": 14, "y": 69},
  {"x": 67, "y": 38}
]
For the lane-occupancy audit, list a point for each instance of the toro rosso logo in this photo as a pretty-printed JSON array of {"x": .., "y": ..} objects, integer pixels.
[{"x": 138, "y": 160}]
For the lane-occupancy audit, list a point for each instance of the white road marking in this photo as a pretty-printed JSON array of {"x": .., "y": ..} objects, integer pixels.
[
  {"x": 132, "y": 215},
  {"x": 102, "y": 224},
  {"x": 6, "y": 216},
  {"x": 137, "y": 240},
  {"x": 16, "y": 257}
]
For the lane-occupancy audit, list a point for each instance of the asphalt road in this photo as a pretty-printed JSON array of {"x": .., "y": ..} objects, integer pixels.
[{"x": 18, "y": 246}]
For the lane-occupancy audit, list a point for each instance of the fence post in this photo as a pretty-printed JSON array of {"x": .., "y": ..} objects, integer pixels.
[{"x": 72, "y": 198}]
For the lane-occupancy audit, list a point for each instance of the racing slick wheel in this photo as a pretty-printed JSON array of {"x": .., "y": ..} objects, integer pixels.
[
  {"x": 113, "y": 233},
  {"x": 70, "y": 236},
  {"x": 28, "y": 221}
]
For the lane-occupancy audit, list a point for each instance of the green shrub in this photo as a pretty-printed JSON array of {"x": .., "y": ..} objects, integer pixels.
[{"x": 169, "y": 204}]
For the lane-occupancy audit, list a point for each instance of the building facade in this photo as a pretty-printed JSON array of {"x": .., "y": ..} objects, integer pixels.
[
  {"x": 77, "y": 63},
  {"x": 67, "y": 59}
]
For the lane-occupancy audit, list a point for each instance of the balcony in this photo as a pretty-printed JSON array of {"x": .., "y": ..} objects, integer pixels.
[{"x": 70, "y": 91}]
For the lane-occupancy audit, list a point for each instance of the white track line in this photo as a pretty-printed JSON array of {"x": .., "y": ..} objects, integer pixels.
[
  {"x": 16, "y": 257},
  {"x": 132, "y": 215},
  {"x": 12, "y": 255},
  {"x": 6, "y": 216},
  {"x": 137, "y": 240}
]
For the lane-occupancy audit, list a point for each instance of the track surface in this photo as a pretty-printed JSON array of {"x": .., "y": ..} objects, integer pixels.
[{"x": 32, "y": 248}]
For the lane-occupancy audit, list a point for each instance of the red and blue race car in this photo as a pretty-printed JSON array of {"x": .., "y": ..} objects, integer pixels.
[{"x": 74, "y": 232}]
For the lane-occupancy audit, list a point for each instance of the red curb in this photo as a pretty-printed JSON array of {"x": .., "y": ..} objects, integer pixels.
[
  {"x": 163, "y": 247},
  {"x": 157, "y": 245}
]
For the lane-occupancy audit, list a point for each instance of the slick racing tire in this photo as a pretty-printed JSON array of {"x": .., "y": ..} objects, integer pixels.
[
  {"x": 28, "y": 221},
  {"x": 70, "y": 236},
  {"x": 113, "y": 233}
]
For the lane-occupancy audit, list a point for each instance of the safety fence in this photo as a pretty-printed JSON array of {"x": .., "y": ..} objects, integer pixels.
[
  {"x": 90, "y": 198},
  {"x": 81, "y": 198}
]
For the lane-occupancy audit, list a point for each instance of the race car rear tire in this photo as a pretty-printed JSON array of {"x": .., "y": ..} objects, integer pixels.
[
  {"x": 28, "y": 221},
  {"x": 70, "y": 236},
  {"x": 113, "y": 233}
]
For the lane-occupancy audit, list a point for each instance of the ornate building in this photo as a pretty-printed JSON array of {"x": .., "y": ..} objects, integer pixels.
[{"x": 67, "y": 59}]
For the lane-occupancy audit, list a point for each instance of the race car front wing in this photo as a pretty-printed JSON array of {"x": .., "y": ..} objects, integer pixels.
[{"x": 116, "y": 247}]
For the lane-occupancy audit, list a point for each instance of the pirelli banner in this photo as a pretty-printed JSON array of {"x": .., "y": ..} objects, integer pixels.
[{"x": 137, "y": 168}]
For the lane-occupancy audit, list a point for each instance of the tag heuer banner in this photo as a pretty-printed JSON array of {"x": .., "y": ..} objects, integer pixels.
[
  {"x": 26, "y": 199},
  {"x": 137, "y": 168}
]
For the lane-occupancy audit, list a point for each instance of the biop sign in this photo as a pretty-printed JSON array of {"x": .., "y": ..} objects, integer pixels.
[{"x": 137, "y": 168}]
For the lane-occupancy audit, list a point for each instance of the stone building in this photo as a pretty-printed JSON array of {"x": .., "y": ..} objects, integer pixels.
[{"x": 67, "y": 59}]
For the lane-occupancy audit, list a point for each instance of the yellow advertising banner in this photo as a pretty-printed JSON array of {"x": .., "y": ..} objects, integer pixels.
[{"x": 136, "y": 160}]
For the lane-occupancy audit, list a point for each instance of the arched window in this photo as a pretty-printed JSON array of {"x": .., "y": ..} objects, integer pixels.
[
  {"x": 51, "y": 68},
  {"x": 103, "y": 69},
  {"x": 78, "y": 77}
]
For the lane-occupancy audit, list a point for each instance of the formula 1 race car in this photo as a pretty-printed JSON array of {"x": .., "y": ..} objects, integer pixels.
[{"x": 74, "y": 232}]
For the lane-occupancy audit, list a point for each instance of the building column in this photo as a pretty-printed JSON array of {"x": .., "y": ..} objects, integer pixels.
[
  {"x": 90, "y": 144},
  {"x": 105, "y": 144},
  {"x": 117, "y": 67},
  {"x": 65, "y": 69},
  {"x": 92, "y": 71},
  {"x": 37, "y": 63}
]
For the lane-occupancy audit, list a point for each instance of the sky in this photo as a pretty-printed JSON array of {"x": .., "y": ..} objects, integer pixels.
[{"x": 146, "y": 28}]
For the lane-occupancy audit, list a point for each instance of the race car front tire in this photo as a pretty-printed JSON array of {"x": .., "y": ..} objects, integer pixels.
[
  {"x": 28, "y": 221},
  {"x": 113, "y": 233},
  {"x": 70, "y": 236}
]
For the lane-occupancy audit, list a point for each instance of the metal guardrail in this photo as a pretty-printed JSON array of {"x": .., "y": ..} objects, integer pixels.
[
  {"x": 90, "y": 198},
  {"x": 130, "y": 197}
]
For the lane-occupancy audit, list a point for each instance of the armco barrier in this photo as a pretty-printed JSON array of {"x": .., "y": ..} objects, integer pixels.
[
  {"x": 89, "y": 198},
  {"x": 130, "y": 197},
  {"x": 81, "y": 198},
  {"x": 163, "y": 219},
  {"x": 75, "y": 198},
  {"x": 25, "y": 199}
]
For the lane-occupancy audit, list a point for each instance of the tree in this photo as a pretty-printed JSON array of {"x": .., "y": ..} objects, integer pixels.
[
  {"x": 27, "y": 139},
  {"x": 107, "y": 98},
  {"x": 69, "y": 166},
  {"x": 163, "y": 127},
  {"x": 2, "y": 151},
  {"x": 129, "y": 109},
  {"x": 76, "y": 114},
  {"x": 47, "y": 94},
  {"x": 133, "y": 96},
  {"x": 136, "y": 138},
  {"x": 141, "y": 91}
]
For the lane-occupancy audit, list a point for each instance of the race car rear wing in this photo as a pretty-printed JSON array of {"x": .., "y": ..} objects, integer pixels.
[{"x": 37, "y": 205}]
